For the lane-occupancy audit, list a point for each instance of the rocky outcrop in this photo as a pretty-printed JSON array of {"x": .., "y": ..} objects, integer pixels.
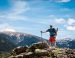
[
  {"x": 19, "y": 50},
  {"x": 39, "y": 45},
  {"x": 43, "y": 50}
]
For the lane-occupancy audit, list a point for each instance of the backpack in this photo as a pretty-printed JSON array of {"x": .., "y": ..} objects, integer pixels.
[{"x": 53, "y": 32}]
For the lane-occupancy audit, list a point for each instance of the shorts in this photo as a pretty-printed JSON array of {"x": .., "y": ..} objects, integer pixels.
[{"x": 52, "y": 39}]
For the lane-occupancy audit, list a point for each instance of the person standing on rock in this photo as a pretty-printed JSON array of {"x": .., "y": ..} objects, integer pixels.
[{"x": 53, "y": 34}]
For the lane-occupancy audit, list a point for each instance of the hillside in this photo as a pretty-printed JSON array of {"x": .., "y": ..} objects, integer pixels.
[
  {"x": 5, "y": 43},
  {"x": 9, "y": 40},
  {"x": 22, "y": 39},
  {"x": 28, "y": 40},
  {"x": 66, "y": 43}
]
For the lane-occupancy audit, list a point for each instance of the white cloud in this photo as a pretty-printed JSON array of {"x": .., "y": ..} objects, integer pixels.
[
  {"x": 71, "y": 21},
  {"x": 6, "y": 27},
  {"x": 62, "y": 0},
  {"x": 60, "y": 21},
  {"x": 13, "y": 18},
  {"x": 70, "y": 24},
  {"x": 62, "y": 34},
  {"x": 18, "y": 8},
  {"x": 71, "y": 28},
  {"x": 9, "y": 29}
]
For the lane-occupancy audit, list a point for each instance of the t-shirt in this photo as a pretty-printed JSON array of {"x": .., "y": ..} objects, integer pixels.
[{"x": 52, "y": 32}]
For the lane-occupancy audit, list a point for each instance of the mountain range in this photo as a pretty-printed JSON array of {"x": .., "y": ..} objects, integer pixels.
[
  {"x": 10, "y": 40},
  {"x": 67, "y": 42},
  {"x": 14, "y": 39}
]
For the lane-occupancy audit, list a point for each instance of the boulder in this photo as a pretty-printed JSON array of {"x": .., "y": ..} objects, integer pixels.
[
  {"x": 41, "y": 52},
  {"x": 28, "y": 55},
  {"x": 39, "y": 45},
  {"x": 19, "y": 50}
]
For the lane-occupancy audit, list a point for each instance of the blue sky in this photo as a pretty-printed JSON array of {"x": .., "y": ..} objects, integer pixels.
[{"x": 32, "y": 16}]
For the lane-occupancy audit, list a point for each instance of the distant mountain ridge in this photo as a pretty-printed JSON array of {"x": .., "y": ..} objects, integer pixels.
[
  {"x": 18, "y": 39},
  {"x": 66, "y": 43}
]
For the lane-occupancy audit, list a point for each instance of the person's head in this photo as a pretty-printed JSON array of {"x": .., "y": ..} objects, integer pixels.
[{"x": 51, "y": 26}]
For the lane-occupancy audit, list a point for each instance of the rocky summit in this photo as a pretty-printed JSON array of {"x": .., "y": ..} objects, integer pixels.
[{"x": 42, "y": 50}]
